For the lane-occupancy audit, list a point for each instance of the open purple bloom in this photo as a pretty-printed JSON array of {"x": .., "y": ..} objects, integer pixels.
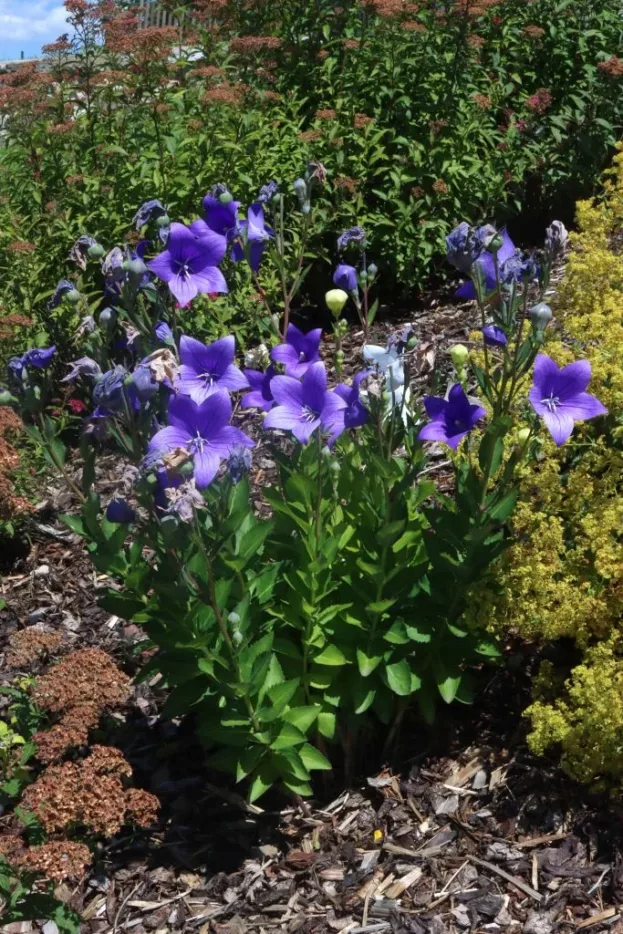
[
  {"x": 84, "y": 366},
  {"x": 207, "y": 369},
  {"x": 62, "y": 288},
  {"x": 118, "y": 510},
  {"x": 355, "y": 413},
  {"x": 299, "y": 351},
  {"x": 452, "y": 418},
  {"x": 261, "y": 396},
  {"x": 149, "y": 210},
  {"x": 559, "y": 396},
  {"x": 486, "y": 263},
  {"x": 254, "y": 235},
  {"x": 345, "y": 277},
  {"x": 189, "y": 265},
  {"x": 304, "y": 406},
  {"x": 494, "y": 336},
  {"x": 356, "y": 235},
  {"x": 39, "y": 357},
  {"x": 202, "y": 430}
]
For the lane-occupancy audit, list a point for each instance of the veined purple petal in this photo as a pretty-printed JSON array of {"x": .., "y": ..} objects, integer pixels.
[
  {"x": 162, "y": 266},
  {"x": 169, "y": 438},
  {"x": 583, "y": 406},
  {"x": 229, "y": 437},
  {"x": 545, "y": 373},
  {"x": 434, "y": 431},
  {"x": 559, "y": 424},
  {"x": 287, "y": 391},
  {"x": 572, "y": 379},
  {"x": 183, "y": 288},
  {"x": 210, "y": 279},
  {"x": 314, "y": 385},
  {"x": 494, "y": 336},
  {"x": 304, "y": 429},
  {"x": 206, "y": 463},
  {"x": 213, "y": 415},
  {"x": 435, "y": 406},
  {"x": 286, "y": 354},
  {"x": 255, "y": 400}
]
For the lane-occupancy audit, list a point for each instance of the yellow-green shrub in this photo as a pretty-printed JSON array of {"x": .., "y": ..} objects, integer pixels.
[{"x": 563, "y": 576}]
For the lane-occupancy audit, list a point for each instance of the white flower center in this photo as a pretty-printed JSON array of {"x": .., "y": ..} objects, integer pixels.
[
  {"x": 302, "y": 356},
  {"x": 308, "y": 415},
  {"x": 552, "y": 402}
]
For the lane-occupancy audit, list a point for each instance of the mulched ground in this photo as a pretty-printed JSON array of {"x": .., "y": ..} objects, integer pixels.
[{"x": 470, "y": 833}]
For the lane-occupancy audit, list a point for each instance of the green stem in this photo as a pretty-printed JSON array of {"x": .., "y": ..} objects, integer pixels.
[{"x": 59, "y": 464}]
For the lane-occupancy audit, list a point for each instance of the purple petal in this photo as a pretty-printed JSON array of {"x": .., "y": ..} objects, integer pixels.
[
  {"x": 182, "y": 243},
  {"x": 286, "y": 354},
  {"x": 232, "y": 379},
  {"x": 183, "y": 288},
  {"x": 283, "y": 417},
  {"x": 169, "y": 438},
  {"x": 206, "y": 467},
  {"x": 198, "y": 388},
  {"x": 545, "y": 373},
  {"x": 256, "y": 400},
  {"x": 210, "y": 279},
  {"x": 213, "y": 358},
  {"x": 583, "y": 406},
  {"x": 256, "y": 251},
  {"x": 304, "y": 429},
  {"x": 212, "y": 246},
  {"x": 287, "y": 392},
  {"x": 183, "y": 414},
  {"x": 508, "y": 247},
  {"x": 237, "y": 251},
  {"x": 255, "y": 378},
  {"x": 434, "y": 431},
  {"x": 466, "y": 291},
  {"x": 227, "y": 438},
  {"x": 435, "y": 406},
  {"x": 559, "y": 424},
  {"x": 315, "y": 387},
  {"x": 572, "y": 379},
  {"x": 213, "y": 415},
  {"x": 162, "y": 266}
]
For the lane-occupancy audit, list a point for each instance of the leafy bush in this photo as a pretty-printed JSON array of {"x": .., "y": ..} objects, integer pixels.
[
  {"x": 563, "y": 575},
  {"x": 302, "y": 616},
  {"x": 421, "y": 114}
]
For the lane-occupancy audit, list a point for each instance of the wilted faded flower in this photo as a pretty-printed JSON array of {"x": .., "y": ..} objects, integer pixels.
[
  {"x": 268, "y": 192},
  {"x": 79, "y": 250},
  {"x": 556, "y": 237},
  {"x": 184, "y": 500},
  {"x": 62, "y": 288},
  {"x": 84, "y": 366},
  {"x": 149, "y": 210},
  {"x": 239, "y": 463},
  {"x": 355, "y": 235},
  {"x": 464, "y": 247}
]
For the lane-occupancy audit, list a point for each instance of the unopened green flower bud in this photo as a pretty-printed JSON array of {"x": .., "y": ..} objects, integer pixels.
[
  {"x": 6, "y": 398},
  {"x": 226, "y": 197},
  {"x": 186, "y": 470},
  {"x": 96, "y": 251},
  {"x": 339, "y": 357},
  {"x": 73, "y": 297},
  {"x": 136, "y": 270},
  {"x": 412, "y": 341},
  {"x": 495, "y": 243},
  {"x": 125, "y": 265},
  {"x": 233, "y": 619},
  {"x": 237, "y": 637},
  {"x": 460, "y": 355},
  {"x": 169, "y": 526},
  {"x": 163, "y": 221},
  {"x": 522, "y": 436},
  {"x": 107, "y": 318},
  {"x": 540, "y": 316},
  {"x": 363, "y": 277},
  {"x": 336, "y": 299},
  {"x": 372, "y": 271}
]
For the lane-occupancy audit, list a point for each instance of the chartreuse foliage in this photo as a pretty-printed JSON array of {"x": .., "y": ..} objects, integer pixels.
[
  {"x": 325, "y": 603},
  {"x": 563, "y": 576}
]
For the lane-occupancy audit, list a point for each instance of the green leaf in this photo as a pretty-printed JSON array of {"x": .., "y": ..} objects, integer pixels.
[
  {"x": 327, "y": 724},
  {"x": 288, "y": 736},
  {"x": 302, "y": 717},
  {"x": 331, "y": 656},
  {"x": 487, "y": 648},
  {"x": 367, "y": 663},
  {"x": 399, "y": 677},
  {"x": 448, "y": 687},
  {"x": 281, "y": 694},
  {"x": 505, "y": 507},
  {"x": 313, "y": 759}
]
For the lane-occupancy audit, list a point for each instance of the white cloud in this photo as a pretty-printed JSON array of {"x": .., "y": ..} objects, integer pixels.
[{"x": 34, "y": 20}]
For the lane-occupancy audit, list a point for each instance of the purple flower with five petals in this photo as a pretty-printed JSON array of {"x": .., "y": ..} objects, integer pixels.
[
  {"x": 559, "y": 396},
  {"x": 355, "y": 413},
  {"x": 494, "y": 336},
  {"x": 189, "y": 265},
  {"x": 202, "y": 430},
  {"x": 304, "y": 406},
  {"x": 345, "y": 277},
  {"x": 452, "y": 418},
  {"x": 207, "y": 369},
  {"x": 299, "y": 351},
  {"x": 261, "y": 396},
  {"x": 219, "y": 218}
]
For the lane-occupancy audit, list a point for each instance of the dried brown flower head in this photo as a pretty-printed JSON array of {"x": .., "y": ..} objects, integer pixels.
[
  {"x": 85, "y": 676},
  {"x": 88, "y": 793},
  {"x": 540, "y": 101},
  {"x": 232, "y": 95},
  {"x": 475, "y": 42},
  {"x": 412, "y": 25},
  {"x": 350, "y": 44},
  {"x": 141, "y": 807},
  {"x": 437, "y": 125},
  {"x": 346, "y": 184},
  {"x": 417, "y": 191},
  {"x": 362, "y": 120},
  {"x": 310, "y": 136},
  {"x": 57, "y": 860},
  {"x": 252, "y": 45},
  {"x": 440, "y": 187},
  {"x": 482, "y": 100},
  {"x": 326, "y": 114},
  {"x": 613, "y": 67},
  {"x": 533, "y": 32},
  {"x": 61, "y": 129},
  {"x": 29, "y": 645},
  {"x": 323, "y": 53},
  {"x": 21, "y": 246}
]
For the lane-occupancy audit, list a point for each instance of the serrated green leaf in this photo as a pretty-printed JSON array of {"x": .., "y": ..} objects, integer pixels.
[
  {"x": 399, "y": 677},
  {"x": 313, "y": 759}
]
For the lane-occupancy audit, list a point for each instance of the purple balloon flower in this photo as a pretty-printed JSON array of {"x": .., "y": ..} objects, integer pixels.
[
  {"x": 207, "y": 369},
  {"x": 299, "y": 351},
  {"x": 118, "y": 510},
  {"x": 39, "y": 358},
  {"x": 559, "y": 396},
  {"x": 204, "y": 431},
  {"x": 345, "y": 277},
  {"x": 304, "y": 406},
  {"x": 452, "y": 418},
  {"x": 255, "y": 234},
  {"x": 494, "y": 336},
  {"x": 355, "y": 413},
  {"x": 486, "y": 263},
  {"x": 261, "y": 396},
  {"x": 189, "y": 263},
  {"x": 163, "y": 332}
]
